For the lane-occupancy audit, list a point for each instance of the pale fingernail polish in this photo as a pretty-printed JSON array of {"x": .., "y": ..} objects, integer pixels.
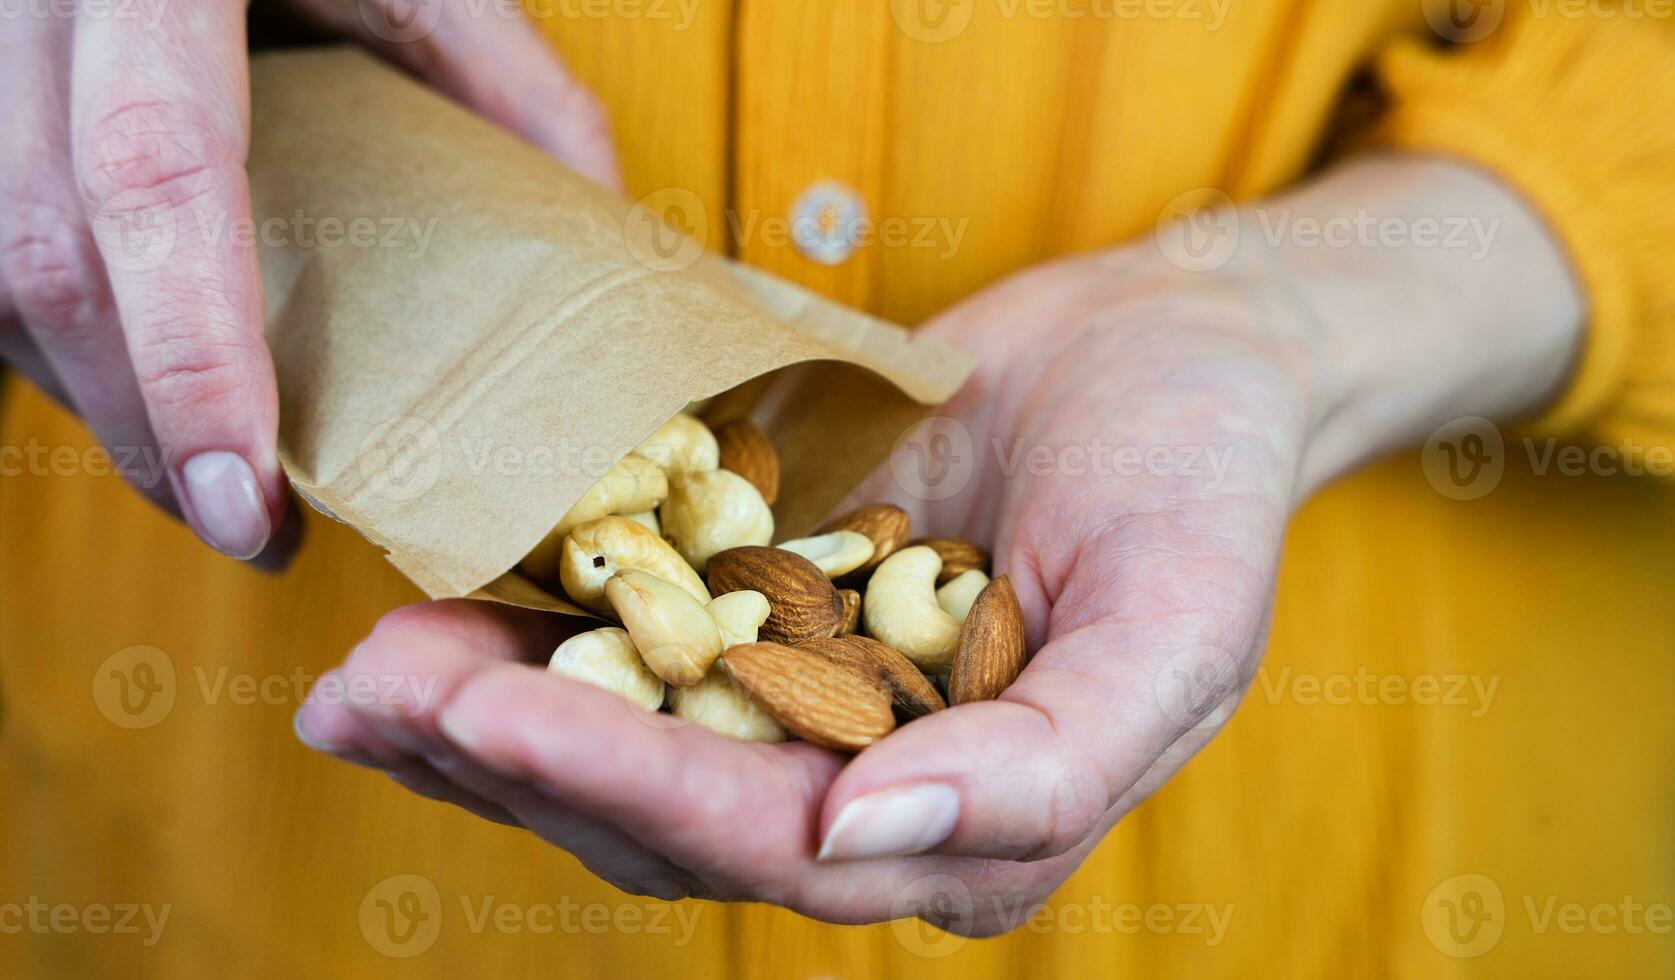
[
  {"x": 893, "y": 823},
  {"x": 227, "y": 503}
]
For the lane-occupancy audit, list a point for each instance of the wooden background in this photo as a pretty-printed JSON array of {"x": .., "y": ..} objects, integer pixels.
[{"x": 1326, "y": 828}]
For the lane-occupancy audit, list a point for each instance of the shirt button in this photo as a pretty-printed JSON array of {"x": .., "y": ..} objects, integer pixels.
[{"x": 827, "y": 221}]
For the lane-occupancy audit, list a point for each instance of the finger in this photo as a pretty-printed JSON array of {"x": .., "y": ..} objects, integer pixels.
[
  {"x": 1147, "y": 607},
  {"x": 675, "y": 788},
  {"x": 48, "y": 256},
  {"x": 347, "y": 736},
  {"x": 389, "y": 672},
  {"x": 642, "y": 799},
  {"x": 376, "y": 707},
  {"x": 159, "y": 133},
  {"x": 602, "y": 849},
  {"x": 495, "y": 63},
  {"x": 427, "y": 782}
]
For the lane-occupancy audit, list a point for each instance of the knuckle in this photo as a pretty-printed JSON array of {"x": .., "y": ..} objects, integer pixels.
[
  {"x": 168, "y": 150},
  {"x": 181, "y": 374},
  {"x": 48, "y": 262}
]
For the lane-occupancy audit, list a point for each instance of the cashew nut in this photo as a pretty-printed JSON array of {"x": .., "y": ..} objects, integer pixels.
[
  {"x": 958, "y": 593},
  {"x": 682, "y": 447},
  {"x": 738, "y": 615},
  {"x": 707, "y": 513},
  {"x": 675, "y": 635},
  {"x": 606, "y": 658},
  {"x": 599, "y": 549},
  {"x": 634, "y": 484},
  {"x": 647, "y": 518},
  {"x": 901, "y": 610},
  {"x": 717, "y": 703},
  {"x": 837, "y": 553}
]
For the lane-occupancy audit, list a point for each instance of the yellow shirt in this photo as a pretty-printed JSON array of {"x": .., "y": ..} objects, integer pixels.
[{"x": 1455, "y": 759}]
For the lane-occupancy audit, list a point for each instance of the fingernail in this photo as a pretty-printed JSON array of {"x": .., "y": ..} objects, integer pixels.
[
  {"x": 300, "y": 727},
  {"x": 227, "y": 504},
  {"x": 893, "y": 823}
]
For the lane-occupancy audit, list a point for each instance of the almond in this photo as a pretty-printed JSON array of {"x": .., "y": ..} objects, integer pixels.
[
  {"x": 886, "y": 524},
  {"x": 745, "y": 450},
  {"x": 911, "y": 692},
  {"x": 958, "y": 556},
  {"x": 802, "y": 602},
  {"x": 815, "y": 699},
  {"x": 991, "y": 653},
  {"x": 851, "y": 610}
]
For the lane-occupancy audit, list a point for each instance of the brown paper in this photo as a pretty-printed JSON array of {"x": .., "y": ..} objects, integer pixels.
[{"x": 467, "y": 335}]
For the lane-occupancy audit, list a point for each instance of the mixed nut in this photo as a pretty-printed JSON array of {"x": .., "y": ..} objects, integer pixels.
[{"x": 833, "y": 638}]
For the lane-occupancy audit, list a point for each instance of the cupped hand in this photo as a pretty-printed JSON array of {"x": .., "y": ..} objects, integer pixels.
[
  {"x": 128, "y": 116},
  {"x": 1129, "y": 448}
]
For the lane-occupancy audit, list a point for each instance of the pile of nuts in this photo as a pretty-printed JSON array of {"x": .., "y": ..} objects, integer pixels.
[{"x": 832, "y": 638}]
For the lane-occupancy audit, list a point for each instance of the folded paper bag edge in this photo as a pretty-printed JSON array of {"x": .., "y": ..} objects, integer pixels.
[{"x": 332, "y": 127}]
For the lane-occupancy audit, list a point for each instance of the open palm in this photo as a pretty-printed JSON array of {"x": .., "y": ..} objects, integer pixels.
[{"x": 1130, "y": 451}]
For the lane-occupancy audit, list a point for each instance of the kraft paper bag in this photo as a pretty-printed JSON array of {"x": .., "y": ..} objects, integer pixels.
[{"x": 467, "y": 335}]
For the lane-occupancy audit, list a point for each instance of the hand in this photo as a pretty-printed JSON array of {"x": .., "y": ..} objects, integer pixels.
[
  {"x": 144, "y": 109},
  {"x": 1140, "y": 435}
]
